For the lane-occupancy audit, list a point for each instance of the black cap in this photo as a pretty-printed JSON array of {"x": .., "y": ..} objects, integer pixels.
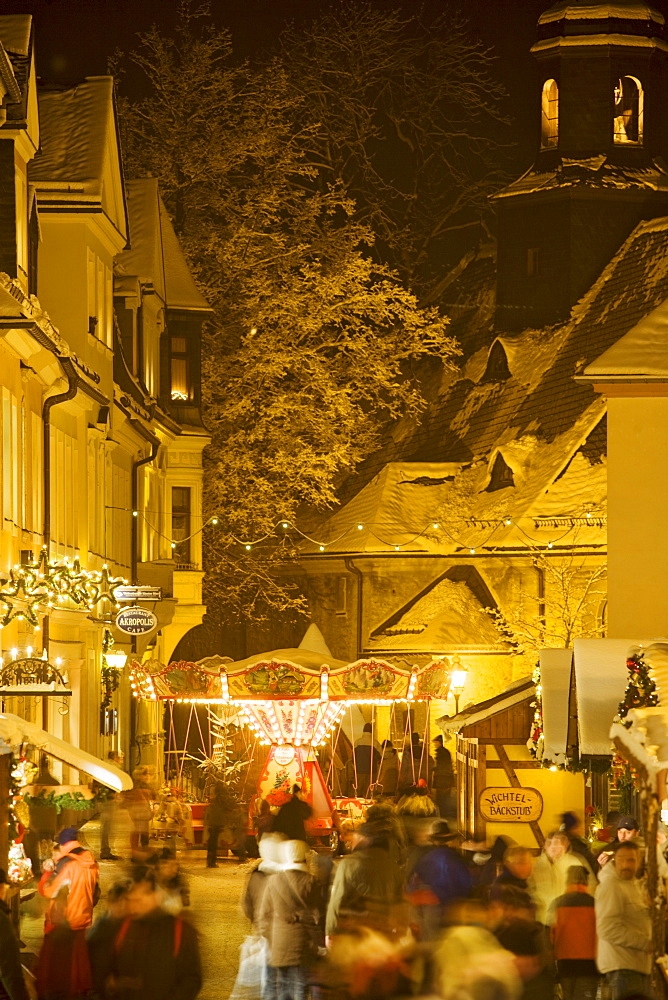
[{"x": 627, "y": 823}]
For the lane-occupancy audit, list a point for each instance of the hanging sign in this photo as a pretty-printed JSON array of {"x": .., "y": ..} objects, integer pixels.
[
  {"x": 136, "y": 621},
  {"x": 134, "y": 594},
  {"x": 510, "y": 805}
]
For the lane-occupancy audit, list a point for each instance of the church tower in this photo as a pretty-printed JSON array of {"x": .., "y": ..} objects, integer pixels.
[{"x": 602, "y": 130}]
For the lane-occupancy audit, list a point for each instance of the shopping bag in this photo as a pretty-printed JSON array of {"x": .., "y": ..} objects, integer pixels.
[{"x": 253, "y": 955}]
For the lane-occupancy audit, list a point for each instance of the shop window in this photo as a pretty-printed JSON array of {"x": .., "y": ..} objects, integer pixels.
[
  {"x": 549, "y": 122},
  {"x": 181, "y": 520},
  {"x": 628, "y": 113},
  {"x": 181, "y": 389}
]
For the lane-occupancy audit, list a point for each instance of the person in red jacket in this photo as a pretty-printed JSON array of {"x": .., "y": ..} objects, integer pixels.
[
  {"x": 70, "y": 883},
  {"x": 574, "y": 937}
]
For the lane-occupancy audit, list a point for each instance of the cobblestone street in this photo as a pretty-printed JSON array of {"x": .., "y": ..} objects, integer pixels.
[{"x": 214, "y": 909}]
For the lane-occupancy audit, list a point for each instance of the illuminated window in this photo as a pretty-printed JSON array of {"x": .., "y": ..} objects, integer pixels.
[
  {"x": 549, "y": 127},
  {"x": 180, "y": 387},
  {"x": 628, "y": 113},
  {"x": 181, "y": 532}
]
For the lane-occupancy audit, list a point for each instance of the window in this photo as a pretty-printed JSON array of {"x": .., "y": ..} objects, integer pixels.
[
  {"x": 501, "y": 477},
  {"x": 532, "y": 262},
  {"x": 497, "y": 369},
  {"x": 180, "y": 370},
  {"x": 628, "y": 113},
  {"x": 100, "y": 298},
  {"x": 549, "y": 122},
  {"x": 181, "y": 510}
]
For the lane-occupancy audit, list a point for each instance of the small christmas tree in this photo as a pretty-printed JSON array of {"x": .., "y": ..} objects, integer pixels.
[{"x": 640, "y": 688}]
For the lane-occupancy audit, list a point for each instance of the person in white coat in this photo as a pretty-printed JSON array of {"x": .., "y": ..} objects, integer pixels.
[
  {"x": 623, "y": 925},
  {"x": 549, "y": 877}
]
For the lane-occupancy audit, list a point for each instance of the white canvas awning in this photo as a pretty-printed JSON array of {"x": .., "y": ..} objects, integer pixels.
[
  {"x": 600, "y": 678},
  {"x": 555, "y": 682},
  {"x": 14, "y": 731}
]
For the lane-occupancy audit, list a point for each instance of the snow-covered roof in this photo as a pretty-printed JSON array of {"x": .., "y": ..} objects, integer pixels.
[
  {"x": 154, "y": 254},
  {"x": 641, "y": 353},
  {"x": 516, "y": 693},
  {"x": 15, "y": 32},
  {"x": 591, "y": 172},
  {"x": 555, "y": 682},
  {"x": 574, "y": 10},
  {"x": 14, "y": 731},
  {"x": 600, "y": 679}
]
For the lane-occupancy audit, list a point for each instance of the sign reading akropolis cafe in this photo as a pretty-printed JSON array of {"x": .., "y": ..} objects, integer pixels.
[
  {"x": 510, "y": 805},
  {"x": 136, "y": 621}
]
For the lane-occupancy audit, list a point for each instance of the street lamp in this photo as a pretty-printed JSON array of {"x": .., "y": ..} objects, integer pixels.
[
  {"x": 115, "y": 660},
  {"x": 458, "y": 674}
]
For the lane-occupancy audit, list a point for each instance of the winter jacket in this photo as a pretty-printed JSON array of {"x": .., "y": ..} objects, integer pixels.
[
  {"x": 251, "y": 899},
  {"x": 574, "y": 932},
  {"x": 443, "y": 779},
  {"x": 291, "y": 918},
  {"x": 470, "y": 963},
  {"x": 548, "y": 881},
  {"x": 442, "y": 873},
  {"x": 12, "y": 985},
  {"x": 504, "y": 879},
  {"x": 291, "y": 818},
  {"x": 389, "y": 771},
  {"x": 72, "y": 887},
  {"x": 155, "y": 957},
  {"x": 366, "y": 878},
  {"x": 623, "y": 924}
]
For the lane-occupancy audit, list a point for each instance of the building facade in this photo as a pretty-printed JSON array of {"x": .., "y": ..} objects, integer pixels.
[{"x": 101, "y": 431}]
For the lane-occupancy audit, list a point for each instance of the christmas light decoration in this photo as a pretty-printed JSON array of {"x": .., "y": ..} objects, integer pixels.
[{"x": 640, "y": 688}]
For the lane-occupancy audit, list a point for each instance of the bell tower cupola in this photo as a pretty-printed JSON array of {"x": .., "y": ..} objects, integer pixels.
[{"x": 601, "y": 128}]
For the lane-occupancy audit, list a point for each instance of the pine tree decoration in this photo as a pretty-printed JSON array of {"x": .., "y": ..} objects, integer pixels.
[{"x": 640, "y": 689}]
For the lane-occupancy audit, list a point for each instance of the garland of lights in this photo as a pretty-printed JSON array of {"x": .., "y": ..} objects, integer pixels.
[
  {"x": 285, "y": 525},
  {"x": 43, "y": 583},
  {"x": 640, "y": 688},
  {"x": 110, "y": 676}
]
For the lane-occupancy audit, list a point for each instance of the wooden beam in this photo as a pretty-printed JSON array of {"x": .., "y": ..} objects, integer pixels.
[{"x": 507, "y": 765}]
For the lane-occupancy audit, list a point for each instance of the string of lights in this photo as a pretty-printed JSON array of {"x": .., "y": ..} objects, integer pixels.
[{"x": 430, "y": 529}]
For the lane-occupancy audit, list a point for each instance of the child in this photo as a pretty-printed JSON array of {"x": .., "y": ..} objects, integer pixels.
[{"x": 574, "y": 937}]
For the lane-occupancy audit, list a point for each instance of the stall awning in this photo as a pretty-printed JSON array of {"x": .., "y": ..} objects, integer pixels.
[
  {"x": 600, "y": 678},
  {"x": 515, "y": 694},
  {"x": 555, "y": 682},
  {"x": 14, "y": 731}
]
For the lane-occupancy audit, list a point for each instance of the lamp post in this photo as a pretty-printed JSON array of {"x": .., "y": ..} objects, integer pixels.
[{"x": 458, "y": 674}]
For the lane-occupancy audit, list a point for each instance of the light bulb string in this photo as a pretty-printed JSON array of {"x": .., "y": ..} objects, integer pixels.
[{"x": 430, "y": 528}]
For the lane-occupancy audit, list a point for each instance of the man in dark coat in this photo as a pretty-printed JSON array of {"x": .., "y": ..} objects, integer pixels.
[
  {"x": 439, "y": 878},
  {"x": 155, "y": 955},
  {"x": 12, "y": 985},
  {"x": 292, "y": 816},
  {"x": 517, "y": 867},
  {"x": 443, "y": 779}
]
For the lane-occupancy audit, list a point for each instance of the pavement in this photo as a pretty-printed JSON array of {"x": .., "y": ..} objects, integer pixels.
[{"x": 214, "y": 909}]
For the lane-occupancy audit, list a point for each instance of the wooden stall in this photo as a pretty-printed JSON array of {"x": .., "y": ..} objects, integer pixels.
[{"x": 502, "y": 789}]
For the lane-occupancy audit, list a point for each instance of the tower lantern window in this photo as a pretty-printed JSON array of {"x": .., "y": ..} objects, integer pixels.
[
  {"x": 628, "y": 112},
  {"x": 549, "y": 128}
]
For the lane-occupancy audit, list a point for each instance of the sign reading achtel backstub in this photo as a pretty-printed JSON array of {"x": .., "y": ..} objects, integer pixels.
[
  {"x": 510, "y": 805},
  {"x": 134, "y": 594},
  {"x": 136, "y": 621}
]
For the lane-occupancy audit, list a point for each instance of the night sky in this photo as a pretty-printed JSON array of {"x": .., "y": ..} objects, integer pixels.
[{"x": 76, "y": 37}]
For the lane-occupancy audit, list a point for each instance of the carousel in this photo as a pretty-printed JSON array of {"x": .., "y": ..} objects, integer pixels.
[{"x": 293, "y": 706}]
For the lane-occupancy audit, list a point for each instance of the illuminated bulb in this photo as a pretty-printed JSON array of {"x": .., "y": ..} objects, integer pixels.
[
  {"x": 20, "y": 617},
  {"x": 214, "y": 520},
  {"x": 549, "y": 545},
  {"x": 135, "y": 513},
  {"x": 322, "y": 548},
  {"x": 29, "y": 650},
  {"x": 248, "y": 548},
  {"x": 173, "y": 544},
  {"x": 35, "y": 628},
  {"x": 359, "y": 527},
  {"x": 58, "y": 661},
  {"x": 13, "y": 651},
  {"x": 285, "y": 524},
  {"x": 472, "y": 551},
  {"x": 436, "y": 525},
  {"x": 396, "y": 548},
  {"x": 507, "y": 521}
]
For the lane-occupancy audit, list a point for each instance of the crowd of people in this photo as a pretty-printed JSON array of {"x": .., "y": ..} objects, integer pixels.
[
  {"x": 410, "y": 910},
  {"x": 401, "y": 908}
]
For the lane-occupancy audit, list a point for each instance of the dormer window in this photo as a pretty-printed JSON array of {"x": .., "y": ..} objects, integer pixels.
[
  {"x": 628, "y": 112},
  {"x": 497, "y": 369},
  {"x": 501, "y": 477},
  {"x": 549, "y": 126}
]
